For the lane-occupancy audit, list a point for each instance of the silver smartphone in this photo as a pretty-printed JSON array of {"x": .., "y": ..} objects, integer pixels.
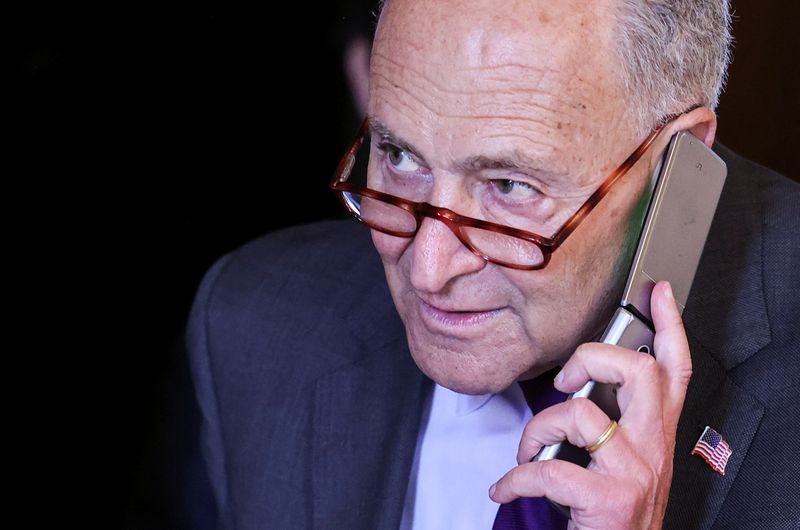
[{"x": 687, "y": 185}]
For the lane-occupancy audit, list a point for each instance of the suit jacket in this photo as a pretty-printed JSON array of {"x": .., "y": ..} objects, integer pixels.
[{"x": 311, "y": 403}]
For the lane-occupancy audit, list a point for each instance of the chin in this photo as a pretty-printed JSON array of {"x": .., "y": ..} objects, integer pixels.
[
  {"x": 465, "y": 372},
  {"x": 472, "y": 385}
]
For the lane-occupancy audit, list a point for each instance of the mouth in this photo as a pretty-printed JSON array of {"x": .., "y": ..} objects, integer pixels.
[{"x": 452, "y": 319}]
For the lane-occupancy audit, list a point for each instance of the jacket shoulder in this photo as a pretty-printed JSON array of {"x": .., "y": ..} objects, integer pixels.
[
  {"x": 776, "y": 199},
  {"x": 321, "y": 280},
  {"x": 270, "y": 319}
]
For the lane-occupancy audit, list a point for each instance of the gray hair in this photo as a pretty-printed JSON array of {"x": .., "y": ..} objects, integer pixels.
[{"x": 674, "y": 53}]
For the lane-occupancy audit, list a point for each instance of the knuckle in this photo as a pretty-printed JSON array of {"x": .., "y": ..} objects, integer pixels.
[
  {"x": 518, "y": 479},
  {"x": 582, "y": 351},
  {"x": 581, "y": 408},
  {"x": 526, "y": 450},
  {"x": 678, "y": 321},
  {"x": 535, "y": 424},
  {"x": 511, "y": 481},
  {"x": 530, "y": 434},
  {"x": 684, "y": 373},
  {"x": 527, "y": 432},
  {"x": 547, "y": 471},
  {"x": 646, "y": 364}
]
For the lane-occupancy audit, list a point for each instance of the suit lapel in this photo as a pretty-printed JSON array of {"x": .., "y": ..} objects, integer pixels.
[
  {"x": 366, "y": 420},
  {"x": 698, "y": 492}
]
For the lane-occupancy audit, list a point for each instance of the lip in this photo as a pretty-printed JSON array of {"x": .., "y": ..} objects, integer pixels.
[{"x": 450, "y": 320}]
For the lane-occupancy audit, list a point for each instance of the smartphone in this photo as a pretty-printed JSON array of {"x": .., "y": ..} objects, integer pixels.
[{"x": 686, "y": 187}]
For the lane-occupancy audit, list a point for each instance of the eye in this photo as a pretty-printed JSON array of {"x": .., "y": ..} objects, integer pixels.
[
  {"x": 514, "y": 189},
  {"x": 399, "y": 159}
]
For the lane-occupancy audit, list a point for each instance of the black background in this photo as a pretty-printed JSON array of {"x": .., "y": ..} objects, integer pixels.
[{"x": 142, "y": 140}]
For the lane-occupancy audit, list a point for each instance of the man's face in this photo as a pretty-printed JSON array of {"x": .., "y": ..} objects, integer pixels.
[{"x": 532, "y": 82}]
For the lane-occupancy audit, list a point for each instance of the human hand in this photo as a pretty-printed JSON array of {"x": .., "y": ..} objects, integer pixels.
[{"x": 627, "y": 483}]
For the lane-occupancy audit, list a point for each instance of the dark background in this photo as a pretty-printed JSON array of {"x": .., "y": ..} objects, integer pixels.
[{"x": 141, "y": 141}]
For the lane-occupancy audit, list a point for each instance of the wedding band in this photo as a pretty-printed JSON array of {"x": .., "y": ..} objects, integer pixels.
[{"x": 606, "y": 436}]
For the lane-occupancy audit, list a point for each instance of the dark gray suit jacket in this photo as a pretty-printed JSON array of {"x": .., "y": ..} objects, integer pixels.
[{"x": 311, "y": 402}]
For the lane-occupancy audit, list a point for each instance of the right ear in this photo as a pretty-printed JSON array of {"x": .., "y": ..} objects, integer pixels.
[{"x": 701, "y": 122}]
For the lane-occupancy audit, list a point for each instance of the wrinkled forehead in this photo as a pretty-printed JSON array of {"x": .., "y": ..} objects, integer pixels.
[
  {"x": 477, "y": 33},
  {"x": 458, "y": 45},
  {"x": 508, "y": 61}
]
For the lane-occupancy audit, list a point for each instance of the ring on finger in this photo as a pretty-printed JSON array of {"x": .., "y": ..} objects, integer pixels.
[{"x": 603, "y": 438}]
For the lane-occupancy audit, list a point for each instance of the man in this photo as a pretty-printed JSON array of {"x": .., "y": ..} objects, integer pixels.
[{"x": 511, "y": 114}]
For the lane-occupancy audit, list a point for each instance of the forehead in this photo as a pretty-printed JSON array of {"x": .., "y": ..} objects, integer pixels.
[
  {"x": 531, "y": 69},
  {"x": 478, "y": 33}
]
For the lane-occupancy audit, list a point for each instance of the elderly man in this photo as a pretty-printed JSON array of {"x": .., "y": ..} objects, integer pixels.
[{"x": 337, "y": 393}]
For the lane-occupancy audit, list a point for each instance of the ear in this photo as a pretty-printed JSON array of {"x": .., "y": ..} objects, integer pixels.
[{"x": 701, "y": 122}]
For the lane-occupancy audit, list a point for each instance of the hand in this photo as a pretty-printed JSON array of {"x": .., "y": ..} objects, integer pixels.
[{"x": 626, "y": 485}]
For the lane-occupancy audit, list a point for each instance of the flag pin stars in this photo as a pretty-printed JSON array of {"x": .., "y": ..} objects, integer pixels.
[{"x": 713, "y": 449}]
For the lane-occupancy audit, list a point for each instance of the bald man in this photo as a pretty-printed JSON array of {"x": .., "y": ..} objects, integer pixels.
[{"x": 357, "y": 376}]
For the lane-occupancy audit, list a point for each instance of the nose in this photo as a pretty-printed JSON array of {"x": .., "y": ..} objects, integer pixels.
[{"x": 438, "y": 256}]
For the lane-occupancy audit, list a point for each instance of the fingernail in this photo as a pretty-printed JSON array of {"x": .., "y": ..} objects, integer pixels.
[
  {"x": 668, "y": 291},
  {"x": 491, "y": 490},
  {"x": 559, "y": 377}
]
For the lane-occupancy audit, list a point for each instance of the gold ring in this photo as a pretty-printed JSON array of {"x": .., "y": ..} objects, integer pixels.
[{"x": 605, "y": 437}]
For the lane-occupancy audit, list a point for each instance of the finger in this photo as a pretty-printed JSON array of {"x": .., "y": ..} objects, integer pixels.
[
  {"x": 559, "y": 481},
  {"x": 636, "y": 374},
  {"x": 670, "y": 345},
  {"x": 595, "y": 361},
  {"x": 580, "y": 422}
]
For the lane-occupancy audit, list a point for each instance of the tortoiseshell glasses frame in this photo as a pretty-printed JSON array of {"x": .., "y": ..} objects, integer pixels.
[{"x": 458, "y": 223}]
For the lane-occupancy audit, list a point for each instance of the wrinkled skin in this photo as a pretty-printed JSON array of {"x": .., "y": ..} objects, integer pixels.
[{"x": 537, "y": 79}]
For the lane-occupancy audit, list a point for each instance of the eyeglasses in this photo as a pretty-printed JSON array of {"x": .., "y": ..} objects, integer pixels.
[{"x": 498, "y": 243}]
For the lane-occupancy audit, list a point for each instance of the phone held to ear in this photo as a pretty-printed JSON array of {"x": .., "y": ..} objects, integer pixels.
[{"x": 689, "y": 181}]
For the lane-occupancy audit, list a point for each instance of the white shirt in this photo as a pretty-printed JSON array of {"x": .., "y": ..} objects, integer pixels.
[{"x": 465, "y": 444}]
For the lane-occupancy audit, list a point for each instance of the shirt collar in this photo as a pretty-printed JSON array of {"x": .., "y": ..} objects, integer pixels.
[{"x": 467, "y": 404}]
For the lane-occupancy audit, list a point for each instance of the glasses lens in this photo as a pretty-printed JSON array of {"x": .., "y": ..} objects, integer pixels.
[
  {"x": 391, "y": 172},
  {"x": 381, "y": 215},
  {"x": 504, "y": 248}
]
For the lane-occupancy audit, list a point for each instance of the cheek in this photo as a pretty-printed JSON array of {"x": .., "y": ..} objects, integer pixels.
[
  {"x": 567, "y": 302},
  {"x": 390, "y": 248}
]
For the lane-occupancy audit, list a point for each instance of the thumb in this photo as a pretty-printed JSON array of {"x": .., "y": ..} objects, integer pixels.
[{"x": 670, "y": 344}]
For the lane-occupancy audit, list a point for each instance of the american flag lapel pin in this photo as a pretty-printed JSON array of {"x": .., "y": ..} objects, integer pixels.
[{"x": 714, "y": 450}]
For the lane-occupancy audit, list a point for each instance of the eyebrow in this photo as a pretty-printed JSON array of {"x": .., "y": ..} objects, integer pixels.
[
  {"x": 514, "y": 160},
  {"x": 376, "y": 126}
]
